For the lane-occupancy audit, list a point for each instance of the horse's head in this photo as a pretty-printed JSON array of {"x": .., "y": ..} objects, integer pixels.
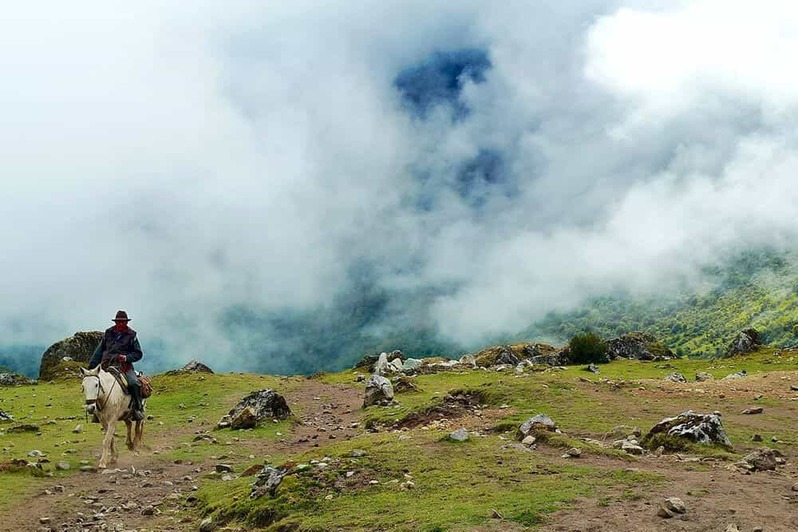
[{"x": 91, "y": 388}]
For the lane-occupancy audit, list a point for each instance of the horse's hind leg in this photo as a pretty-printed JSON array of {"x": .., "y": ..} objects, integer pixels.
[
  {"x": 129, "y": 441},
  {"x": 108, "y": 441}
]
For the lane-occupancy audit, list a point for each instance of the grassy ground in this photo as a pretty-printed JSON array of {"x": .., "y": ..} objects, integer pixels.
[{"x": 454, "y": 486}]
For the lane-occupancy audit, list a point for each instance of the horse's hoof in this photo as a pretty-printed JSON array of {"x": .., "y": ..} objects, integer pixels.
[{"x": 101, "y": 466}]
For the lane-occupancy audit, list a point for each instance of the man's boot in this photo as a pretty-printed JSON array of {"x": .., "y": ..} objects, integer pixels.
[{"x": 135, "y": 403}]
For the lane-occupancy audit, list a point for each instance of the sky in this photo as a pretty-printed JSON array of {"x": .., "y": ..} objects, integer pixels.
[{"x": 178, "y": 160}]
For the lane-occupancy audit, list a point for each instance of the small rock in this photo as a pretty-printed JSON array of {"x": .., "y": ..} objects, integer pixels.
[
  {"x": 459, "y": 435},
  {"x": 148, "y": 510},
  {"x": 78, "y": 429},
  {"x": 675, "y": 504},
  {"x": 36, "y": 453},
  {"x": 794, "y": 387},
  {"x": 86, "y": 469},
  {"x": 357, "y": 453},
  {"x": 631, "y": 448},
  {"x": 206, "y": 525},
  {"x": 676, "y": 377},
  {"x": 732, "y": 528},
  {"x": 756, "y": 437},
  {"x": 63, "y": 466},
  {"x": 224, "y": 468},
  {"x": 593, "y": 368},
  {"x": 529, "y": 440},
  {"x": 574, "y": 452},
  {"x": 664, "y": 513},
  {"x": 751, "y": 411},
  {"x": 44, "y": 520},
  {"x": 703, "y": 377}
]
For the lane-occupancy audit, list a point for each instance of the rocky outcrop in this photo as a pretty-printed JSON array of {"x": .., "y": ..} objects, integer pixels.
[
  {"x": 538, "y": 423},
  {"x": 256, "y": 407},
  {"x": 746, "y": 341},
  {"x": 195, "y": 366},
  {"x": 14, "y": 379},
  {"x": 379, "y": 391},
  {"x": 512, "y": 355},
  {"x": 638, "y": 346},
  {"x": 689, "y": 427},
  {"x": 76, "y": 349}
]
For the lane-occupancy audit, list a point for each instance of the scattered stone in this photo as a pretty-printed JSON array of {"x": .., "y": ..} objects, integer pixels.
[
  {"x": 675, "y": 377},
  {"x": 540, "y": 422},
  {"x": 632, "y": 448},
  {"x": 357, "y": 453},
  {"x": 739, "y": 375},
  {"x": 459, "y": 435},
  {"x": 254, "y": 408},
  {"x": 762, "y": 460},
  {"x": 207, "y": 525},
  {"x": 752, "y": 411},
  {"x": 573, "y": 452},
  {"x": 732, "y": 528},
  {"x": 411, "y": 364},
  {"x": 36, "y": 453},
  {"x": 664, "y": 513},
  {"x": 4, "y": 417},
  {"x": 148, "y": 510},
  {"x": 44, "y": 520},
  {"x": 592, "y": 368},
  {"x": 704, "y": 429},
  {"x": 529, "y": 440},
  {"x": 756, "y": 437},
  {"x": 224, "y": 468},
  {"x": 703, "y": 377},
  {"x": 379, "y": 391},
  {"x": 63, "y": 466},
  {"x": 78, "y": 429},
  {"x": 794, "y": 387}
]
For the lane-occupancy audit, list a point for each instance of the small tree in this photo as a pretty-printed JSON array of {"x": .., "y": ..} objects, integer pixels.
[{"x": 588, "y": 347}]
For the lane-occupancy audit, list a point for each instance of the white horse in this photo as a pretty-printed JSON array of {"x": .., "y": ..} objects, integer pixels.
[{"x": 106, "y": 399}]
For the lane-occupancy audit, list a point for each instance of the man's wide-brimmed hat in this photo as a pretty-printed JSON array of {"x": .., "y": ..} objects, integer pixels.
[{"x": 121, "y": 315}]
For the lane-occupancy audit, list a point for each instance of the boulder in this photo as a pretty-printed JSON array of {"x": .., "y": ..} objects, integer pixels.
[
  {"x": 77, "y": 349},
  {"x": 411, "y": 364},
  {"x": 703, "y": 429},
  {"x": 703, "y": 377},
  {"x": 638, "y": 346},
  {"x": 260, "y": 405},
  {"x": 538, "y": 423},
  {"x": 14, "y": 379},
  {"x": 366, "y": 361},
  {"x": 497, "y": 355},
  {"x": 194, "y": 366},
  {"x": 746, "y": 341},
  {"x": 379, "y": 391},
  {"x": 762, "y": 460},
  {"x": 381, "y": 366},
  {"x": 675, "y": 377}
]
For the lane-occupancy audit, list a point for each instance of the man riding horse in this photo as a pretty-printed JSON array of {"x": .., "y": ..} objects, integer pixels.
[{"x": 120, "y": 347}]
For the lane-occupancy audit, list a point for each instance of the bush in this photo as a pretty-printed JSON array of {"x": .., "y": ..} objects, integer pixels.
[{"x": 588, "y": 347}]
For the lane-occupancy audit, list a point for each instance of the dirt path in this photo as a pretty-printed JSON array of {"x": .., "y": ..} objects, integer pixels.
[{"x": 147, "y": 492}]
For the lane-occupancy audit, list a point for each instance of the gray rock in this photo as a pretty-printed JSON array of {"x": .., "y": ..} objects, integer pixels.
[
  {"x": 395, "y": 365},
  {"x": 78, "y": 429},
  {"x": 739, "y": 375},
  {"x": 704, "y": 429},
  {"x": 638, "y": 346},
  {"x": 752, "y": 411},
  {"x": 632, "y": 448},
  {"x": 746, "y": 341},
  {"x": 675, "y": 505},
  {"x": 794, "y": 387},
  {"x": 224, "y": 468},
  {"x": 732, "y": 528},
  {"x": 763, "y": 460},
  {"x": 529, "y": 440},
  {"x": 195, "y": 366},
  {"x": 540, "y": 422},
  {"x": 207, "y": 525},
  {"x": 63, "y": 466},
  {"x": 468, "y": 360},
  {"x": 267, "y": 481},
  {"x": 411, "y": 364},
  {"x": 36, "y": 453},
  {"x": 574, "y": 452},
  {"x": 593, "y": 368},
  {"x": 459, "y": 435},
  {"x": 379, "y": 391},
  {"x": 78, "y": 348},
  {"x": 756, "y": 437},
  {"x": 263, "y": 404},
  {"x": 381, "y": 366},
  {"x": 5, "y": 417},
  {"x": 676, "y": 377},
  {"x": 14, "y": 379},
  {"x": 703, "y": 377}
]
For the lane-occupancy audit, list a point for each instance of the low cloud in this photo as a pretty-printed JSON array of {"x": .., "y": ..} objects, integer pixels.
[{"x": 488, "y": 163}]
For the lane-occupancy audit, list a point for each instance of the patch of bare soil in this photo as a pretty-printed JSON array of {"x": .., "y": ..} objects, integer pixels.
[{"x": 149, "y": 492}]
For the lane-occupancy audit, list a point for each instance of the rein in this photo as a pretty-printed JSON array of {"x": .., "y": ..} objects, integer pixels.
[{"x": 100, "y": 404}]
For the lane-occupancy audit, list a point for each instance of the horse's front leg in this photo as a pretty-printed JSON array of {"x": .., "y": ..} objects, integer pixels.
[
  {"x": 139, "y": 436},
  {"x": 129, "y": 440},
  {"x": 114, "y": 452},
  {"x": 108, "y": 442}
]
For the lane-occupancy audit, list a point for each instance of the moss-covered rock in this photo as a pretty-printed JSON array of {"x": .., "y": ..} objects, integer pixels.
[
  {"x": 76, "y": 349},
  {"x": 638, "y": 346}
]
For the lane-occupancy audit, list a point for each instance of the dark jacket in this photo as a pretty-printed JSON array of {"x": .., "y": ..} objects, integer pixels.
[{"x": 116, "y": 343}]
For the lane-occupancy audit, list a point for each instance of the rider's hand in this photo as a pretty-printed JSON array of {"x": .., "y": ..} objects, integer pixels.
[{"x": 121, "y": 358}]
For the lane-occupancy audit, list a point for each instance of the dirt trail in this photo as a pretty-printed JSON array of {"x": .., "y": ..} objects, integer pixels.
[{"x": 146, "y": 492}]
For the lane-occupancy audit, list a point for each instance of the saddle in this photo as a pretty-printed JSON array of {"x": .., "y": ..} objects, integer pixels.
[{"x": 146, "y": 385}]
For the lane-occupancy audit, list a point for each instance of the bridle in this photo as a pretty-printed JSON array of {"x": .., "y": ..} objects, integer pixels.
[{"x": 96, "y": 401}]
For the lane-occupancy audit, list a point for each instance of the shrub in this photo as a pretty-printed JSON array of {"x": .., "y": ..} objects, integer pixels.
[{"x": 588, "y": 347}]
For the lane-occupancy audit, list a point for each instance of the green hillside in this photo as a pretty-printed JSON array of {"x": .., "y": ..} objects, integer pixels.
[{"x": 757, "y": 290}]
